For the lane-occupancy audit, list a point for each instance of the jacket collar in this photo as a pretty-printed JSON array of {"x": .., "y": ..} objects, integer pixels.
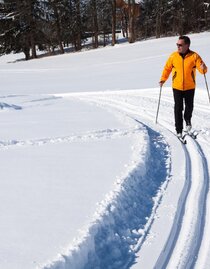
[{"x": 184, "y": 54}]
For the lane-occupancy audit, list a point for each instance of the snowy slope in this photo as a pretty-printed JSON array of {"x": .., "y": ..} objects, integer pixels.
[{"x": 88, "y": 180}]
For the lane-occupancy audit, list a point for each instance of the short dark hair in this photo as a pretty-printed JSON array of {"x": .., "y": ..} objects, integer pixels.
[{"x": 186, "y": 39}]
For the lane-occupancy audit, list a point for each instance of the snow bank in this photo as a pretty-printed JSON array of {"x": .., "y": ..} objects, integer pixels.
[{"x": 122, "y": 219}]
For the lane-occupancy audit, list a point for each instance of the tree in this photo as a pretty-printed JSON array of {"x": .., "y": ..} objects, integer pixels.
[
  {"x": 78, "y": 44},
  {"x": 20, "y": 28},
  {"x": 131, "y": 6},
  {"x": 94, "y": 23},
  {"x": 105, "y": 16},
  {"x": 72, "y": 23},
  {"x": 26, "y": 25},
  {"x": 113, "y": 3}
]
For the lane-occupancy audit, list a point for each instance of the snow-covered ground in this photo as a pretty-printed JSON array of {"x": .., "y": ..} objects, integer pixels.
[{"x": 88, "y": 180}]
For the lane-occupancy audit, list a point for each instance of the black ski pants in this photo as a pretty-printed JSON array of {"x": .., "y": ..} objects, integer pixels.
[{"x": 182, "y": 98}]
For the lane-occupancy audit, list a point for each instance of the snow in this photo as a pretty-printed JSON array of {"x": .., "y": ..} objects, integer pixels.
[{"x": 88, "y": 180}]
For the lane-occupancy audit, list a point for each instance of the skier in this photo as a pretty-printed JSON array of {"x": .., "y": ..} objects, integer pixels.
[{"x": 183, "y": 64}]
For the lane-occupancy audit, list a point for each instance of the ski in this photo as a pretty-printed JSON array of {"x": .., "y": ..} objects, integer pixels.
[
  {"x": 192, "y": 134},
  {"x": 182, "y": 139}
]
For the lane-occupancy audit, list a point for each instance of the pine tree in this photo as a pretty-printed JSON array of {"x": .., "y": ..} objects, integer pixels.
[
  {"x": 20, "y": 27},
  {"x": 57, "y": 7}
]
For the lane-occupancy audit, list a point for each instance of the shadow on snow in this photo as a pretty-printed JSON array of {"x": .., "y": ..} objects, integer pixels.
[{"x": 111, "y": 240}]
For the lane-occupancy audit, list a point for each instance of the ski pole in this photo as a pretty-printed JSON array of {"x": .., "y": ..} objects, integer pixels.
[
  {"x": 207, "y": 86},
  {"x": 158, "y": 103}
]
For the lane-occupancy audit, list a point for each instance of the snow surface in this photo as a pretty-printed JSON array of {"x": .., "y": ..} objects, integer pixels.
[{"x": 88, "y": 180}]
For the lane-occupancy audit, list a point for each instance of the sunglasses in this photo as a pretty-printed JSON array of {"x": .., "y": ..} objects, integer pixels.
[{"x": 179, "y": 45}]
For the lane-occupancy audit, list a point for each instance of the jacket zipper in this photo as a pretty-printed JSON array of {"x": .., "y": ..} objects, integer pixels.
[{"x": 183, "y": 71}]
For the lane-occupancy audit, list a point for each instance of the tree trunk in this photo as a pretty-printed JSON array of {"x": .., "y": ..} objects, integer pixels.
[
  {"x": 32, "y": 32},
  {"x": 181, "y": 28},
  {"x": 131, "y": 12},
  {"x": 95, "y": 24},
  {"x": 158, "y": 25},
  {"x": 58, "y": 26},
  {"x": 158, "y": 19},
  {"x": 26, "y": 51},
  {"x": 33, "y": 47},
  {"x": 113, "y": 22},
  {"x": 78, "y": 35}
]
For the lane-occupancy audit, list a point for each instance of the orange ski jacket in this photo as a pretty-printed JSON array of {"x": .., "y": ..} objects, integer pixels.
[{"x": 183, "y": 70}]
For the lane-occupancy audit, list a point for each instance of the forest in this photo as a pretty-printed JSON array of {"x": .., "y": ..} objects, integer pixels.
[{"x": 57, "y": 26}]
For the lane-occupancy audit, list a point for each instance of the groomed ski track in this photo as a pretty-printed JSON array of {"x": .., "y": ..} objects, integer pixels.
[{"x": 185, "y": 244}]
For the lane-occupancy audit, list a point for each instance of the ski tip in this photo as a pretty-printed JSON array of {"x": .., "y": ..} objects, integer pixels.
[{"x": 183, "y": 140}]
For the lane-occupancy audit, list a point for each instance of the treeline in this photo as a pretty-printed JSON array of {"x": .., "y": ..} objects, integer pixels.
[
  {"x": 28, "y": 25},
  {"x": 164, "y": 17}
]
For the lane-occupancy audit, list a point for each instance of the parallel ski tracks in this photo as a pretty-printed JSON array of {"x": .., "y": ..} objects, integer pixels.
[
  {"x": 184, "y": 241},
  {"x": 166, "y": 253},
  {"x": 202, "y": 201},
  {"x": 183, "y": 244}
]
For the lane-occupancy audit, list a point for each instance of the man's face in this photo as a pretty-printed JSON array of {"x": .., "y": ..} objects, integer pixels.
[{"x": 181, "y": 46}]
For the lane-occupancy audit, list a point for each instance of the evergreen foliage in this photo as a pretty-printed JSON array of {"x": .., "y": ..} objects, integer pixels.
[{"x": 26, "y": 25}]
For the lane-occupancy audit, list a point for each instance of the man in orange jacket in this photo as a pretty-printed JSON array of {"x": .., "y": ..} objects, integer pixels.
[{"x": 183, "y": 64}]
